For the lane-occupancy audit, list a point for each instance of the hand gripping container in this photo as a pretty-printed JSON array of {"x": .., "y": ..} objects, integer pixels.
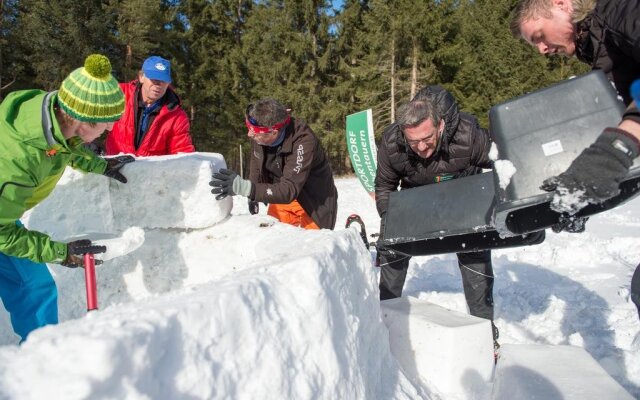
[{"x": 541, "y": 133}]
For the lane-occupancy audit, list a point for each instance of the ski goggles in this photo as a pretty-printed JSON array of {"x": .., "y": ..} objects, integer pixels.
[{"x": 257, "y": 129}]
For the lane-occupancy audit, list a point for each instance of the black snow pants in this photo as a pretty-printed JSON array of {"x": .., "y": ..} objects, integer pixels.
[{"x": 477, "y": 279}]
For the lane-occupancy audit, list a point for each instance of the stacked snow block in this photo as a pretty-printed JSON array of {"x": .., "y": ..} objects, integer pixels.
[
  {"x": 189, "y": 198},
  {"x": 178, "y": 186},
  {"x": 432, "y": 345},
  {"x": 525, "y": 372},
  {"x": 537, "y": 136}
]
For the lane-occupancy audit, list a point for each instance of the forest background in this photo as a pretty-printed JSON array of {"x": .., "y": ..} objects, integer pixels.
[{"x": 324, "y": 59}]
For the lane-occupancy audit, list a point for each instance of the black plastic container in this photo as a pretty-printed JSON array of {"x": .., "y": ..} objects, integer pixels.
[
  {"x": 541, "y": 133},
  {"x": 447, "y": 217}
]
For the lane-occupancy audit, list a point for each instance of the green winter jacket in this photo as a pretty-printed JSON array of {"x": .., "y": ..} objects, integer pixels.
[{"x": 30, "y": 167}]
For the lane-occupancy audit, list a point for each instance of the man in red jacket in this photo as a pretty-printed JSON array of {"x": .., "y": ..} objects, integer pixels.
[{"x": 153, "y": 123}]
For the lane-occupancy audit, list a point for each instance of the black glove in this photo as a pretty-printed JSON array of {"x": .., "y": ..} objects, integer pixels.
[
  {"x": 570, "y": 224},
  {"x": 114, "y": 164},
  {"x": 76, "y": 251},
  {"x": 228, "y": 183},
  {"x": 254, "y": 207},
  {"x": 595, "y": 175}
]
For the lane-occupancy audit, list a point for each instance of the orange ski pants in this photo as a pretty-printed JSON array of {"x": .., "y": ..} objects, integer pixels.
[{"x": 292, "y": 214}]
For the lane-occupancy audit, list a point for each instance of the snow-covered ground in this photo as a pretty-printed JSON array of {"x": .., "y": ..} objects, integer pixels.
[{"x": 250, "y": 308}]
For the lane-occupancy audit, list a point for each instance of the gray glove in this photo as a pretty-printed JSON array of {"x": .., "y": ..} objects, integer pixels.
[{"x": 228, "y": 183}]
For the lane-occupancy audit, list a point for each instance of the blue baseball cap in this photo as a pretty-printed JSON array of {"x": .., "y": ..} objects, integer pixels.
[{"x": 156, "y": 67}]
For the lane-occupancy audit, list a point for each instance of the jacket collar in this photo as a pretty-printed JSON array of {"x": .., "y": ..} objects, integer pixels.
[{"x": 287, "y": 143}]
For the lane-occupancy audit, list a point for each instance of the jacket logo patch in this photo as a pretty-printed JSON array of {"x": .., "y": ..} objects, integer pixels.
[
  {"x": 269, "y": 192},
  {"x": 299, "y": 159}
]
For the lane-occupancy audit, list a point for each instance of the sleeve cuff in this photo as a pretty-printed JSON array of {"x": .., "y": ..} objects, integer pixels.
[{"x": 632, "y": 114}]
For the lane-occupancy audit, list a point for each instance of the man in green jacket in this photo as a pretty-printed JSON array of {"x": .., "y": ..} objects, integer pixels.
[{"x": 40, "y": 135}]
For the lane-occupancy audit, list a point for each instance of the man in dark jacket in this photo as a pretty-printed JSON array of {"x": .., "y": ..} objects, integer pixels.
[
  {"x": 153, "y": 123},
  {"x": 430, "y": 142},
  {"x": 289, "y": 170},
  {"x": 606, "y": 35}
]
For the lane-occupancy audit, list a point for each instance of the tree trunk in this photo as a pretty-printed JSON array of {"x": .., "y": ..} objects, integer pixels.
[
  {"x": 393, "y": 80},
  {"x": 414, "y": 69},
  {"x": 128, "y": 61}
]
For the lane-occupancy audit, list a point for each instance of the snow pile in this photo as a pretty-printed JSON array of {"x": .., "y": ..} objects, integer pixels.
[
  {"x": 246, "y": 308},
  {"x": 249, "y": 304}
]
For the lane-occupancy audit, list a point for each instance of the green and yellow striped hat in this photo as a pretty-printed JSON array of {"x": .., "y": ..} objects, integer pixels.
[{"x": 91, "y": 93}]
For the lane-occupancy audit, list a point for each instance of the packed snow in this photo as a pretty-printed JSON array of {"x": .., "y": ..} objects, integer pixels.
[{"x": 198, "y": 303}]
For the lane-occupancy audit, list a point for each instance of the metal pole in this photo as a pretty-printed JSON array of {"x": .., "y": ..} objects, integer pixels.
[{"x": 241, "y": 163}]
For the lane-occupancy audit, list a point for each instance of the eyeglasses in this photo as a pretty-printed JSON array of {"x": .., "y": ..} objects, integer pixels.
[
  {"x": 415, "y": 143},
  {"x": 428, "y": 141}
]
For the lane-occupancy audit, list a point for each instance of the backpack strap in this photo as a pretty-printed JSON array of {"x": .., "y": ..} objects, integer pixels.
[{"x": 47, "y": 124}]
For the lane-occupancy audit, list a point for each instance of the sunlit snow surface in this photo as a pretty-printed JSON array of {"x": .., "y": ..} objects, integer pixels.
[{"x": 246, "y": 307}]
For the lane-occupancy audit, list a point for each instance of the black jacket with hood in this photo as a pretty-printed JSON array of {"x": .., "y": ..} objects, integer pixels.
[{"x": 462, "y": 150}]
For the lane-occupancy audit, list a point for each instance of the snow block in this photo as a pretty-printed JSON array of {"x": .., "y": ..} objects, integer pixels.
[
  {"x": 444, "y": 349},
  {"x": 97, "y": 206},
  {"x": 524, "y": 372},
  {"x": 179, "y": 187},
  {"x": 79, "y": 203}
]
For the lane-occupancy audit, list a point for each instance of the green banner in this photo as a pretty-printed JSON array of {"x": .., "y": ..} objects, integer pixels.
[{"x": 362, "y": 148}]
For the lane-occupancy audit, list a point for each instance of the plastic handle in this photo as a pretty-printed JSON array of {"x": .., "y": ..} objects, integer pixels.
[{"x": 90, "y": 281}]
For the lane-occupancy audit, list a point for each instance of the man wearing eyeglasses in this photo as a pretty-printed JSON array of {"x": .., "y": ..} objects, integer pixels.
[
  {"x": 289, "y": 170},
  {"x": 431, "y": 142}
]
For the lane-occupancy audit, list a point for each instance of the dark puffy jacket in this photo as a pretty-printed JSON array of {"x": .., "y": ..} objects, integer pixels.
[
  {"x": 167, "y": 134},
  {"x": 463, "y": 150},
  {"x": 609, "y": 39},
  {"x": 302, "y": 173}
]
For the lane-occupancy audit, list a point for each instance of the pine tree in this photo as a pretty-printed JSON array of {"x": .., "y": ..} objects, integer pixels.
[
  {"x": 494, "y": 66},
  {"x": 142, "y": 32},
  {"x": 10, "y": 65},
  {"x": 215, "y": 73},
  {"x": 57, "y": 36}
]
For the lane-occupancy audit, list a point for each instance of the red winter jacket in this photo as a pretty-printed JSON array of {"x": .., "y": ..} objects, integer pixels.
[{"x": 167, "y": 134}]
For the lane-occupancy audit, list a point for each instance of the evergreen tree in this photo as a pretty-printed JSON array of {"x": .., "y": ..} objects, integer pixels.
[
  {"x": 142, "y": 31},
  {"x": 343, "y": 81},
  {"x": 494, "y": 66},
  {"x": 57, "y": 37},
  {"x": 10, "y": 65},
  {"x": 288, "y": 49},
  {"x": 215, "y": 74}
]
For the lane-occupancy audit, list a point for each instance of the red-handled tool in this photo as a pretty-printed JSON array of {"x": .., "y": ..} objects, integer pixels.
[{"x": 90, "y": 281}]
